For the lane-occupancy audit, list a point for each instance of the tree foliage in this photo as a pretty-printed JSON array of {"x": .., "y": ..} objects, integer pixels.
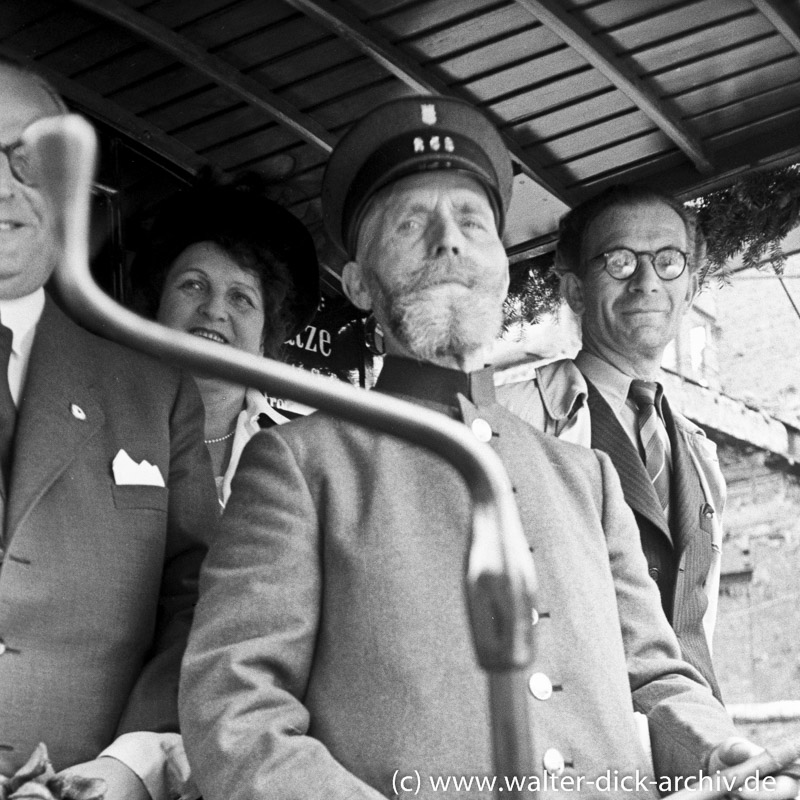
[
  {"x": 532, "y": 292},
  {"x": 751, "y": 217}
]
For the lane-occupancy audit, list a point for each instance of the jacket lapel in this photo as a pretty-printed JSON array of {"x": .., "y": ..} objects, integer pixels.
[
  {"x": 687, "y": 494},
  {"x": 608, "y": 436},
  {"x": 58, "y": 413}
]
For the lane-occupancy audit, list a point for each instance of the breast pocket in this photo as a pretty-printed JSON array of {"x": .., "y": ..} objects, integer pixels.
[{"x": 145, "y": 497}]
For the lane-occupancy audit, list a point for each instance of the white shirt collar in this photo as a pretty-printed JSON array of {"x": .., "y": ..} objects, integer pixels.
[
  {"x": 21, "y": 315},
  {"x": 613, "y": 384}
]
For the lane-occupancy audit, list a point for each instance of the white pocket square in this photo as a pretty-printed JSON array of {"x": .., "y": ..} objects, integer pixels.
[{"x": 128, "y": 473}]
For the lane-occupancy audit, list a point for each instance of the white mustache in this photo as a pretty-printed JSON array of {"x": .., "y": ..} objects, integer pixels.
[{"x": 444, "y": 270}]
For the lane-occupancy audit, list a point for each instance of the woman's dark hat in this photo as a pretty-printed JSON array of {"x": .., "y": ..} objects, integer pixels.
[{"x": 231, "y": 213}]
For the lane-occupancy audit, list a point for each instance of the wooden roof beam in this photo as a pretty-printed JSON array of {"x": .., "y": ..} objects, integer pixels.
[
  {"x": 214, "y": 68},
  {"x": 780, "y": 20},
  {"x": 116, "y": 117},
  {"x": 566, "y": 26},
  {"x": 349, "y": 28}
]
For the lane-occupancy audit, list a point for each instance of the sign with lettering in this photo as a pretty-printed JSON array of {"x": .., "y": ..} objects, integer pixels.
[{"x": 333, "y": 344}]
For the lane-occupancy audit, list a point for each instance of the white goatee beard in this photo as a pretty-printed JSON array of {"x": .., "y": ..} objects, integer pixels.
[{"x": 434, "y": 327}]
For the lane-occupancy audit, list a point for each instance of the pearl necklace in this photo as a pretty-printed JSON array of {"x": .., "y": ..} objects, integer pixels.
[{"x": 221, "y": 438}]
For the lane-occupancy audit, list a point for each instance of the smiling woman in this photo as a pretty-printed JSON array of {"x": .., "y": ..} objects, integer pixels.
[
  {"x": 207, "y": 293},
  {"x": 224, "y": 263}
]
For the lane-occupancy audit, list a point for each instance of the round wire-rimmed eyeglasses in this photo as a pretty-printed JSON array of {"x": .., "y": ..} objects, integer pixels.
[{"x": 622, "y": 263}]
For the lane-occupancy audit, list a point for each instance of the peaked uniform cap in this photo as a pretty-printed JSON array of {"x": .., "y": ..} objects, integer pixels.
[{"x": 407, "y": 136}]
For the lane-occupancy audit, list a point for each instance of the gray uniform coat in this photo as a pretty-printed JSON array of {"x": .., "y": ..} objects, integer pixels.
[{"x": 332, "y": 655}]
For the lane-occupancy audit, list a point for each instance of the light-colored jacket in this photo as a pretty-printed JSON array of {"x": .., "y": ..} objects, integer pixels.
[{"x": 552, "y": 396}]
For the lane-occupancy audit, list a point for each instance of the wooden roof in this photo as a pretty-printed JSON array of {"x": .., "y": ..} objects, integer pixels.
[{"x": 686, "y": 93}]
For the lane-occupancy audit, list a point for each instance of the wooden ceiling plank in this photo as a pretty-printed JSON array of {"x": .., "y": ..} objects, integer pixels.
[
  {"x": 302, "y": 160},
  {"x": 653, "y": 170},
  {"x": 780, "y": 20},
  {"x": 703, "y": 46},
  {"x": 722, "y": 65},
  {"x": 17, "y": 17},
  {"x": 206, "y": 134},
  {"x": 352, "y": 30},
  {"x": 294, "y": 41},
  {"x": 639, "y": 148},
  {"x": 235, "y": 21},
  {"x": 378, "y": 8},
  {"x": 481, "y": 31},
  {"x": 419, "y": 18},
  {"x": 181, "y": 15},
  {"x": 116, "y": 117},
  {"x": 573, "y": 118},
  {"x": 215, "y": 68},
  {"x": 602, "y": 58},
  {"x": 343, "y": 80},
  {"x": 514, "y": 80},
  {"x": 185, "y": 112},
  {"x": 547, "y": 98},
  {"x": 303, "y": 157},
  {"x": 698, "y": 100},
  {"x": 50, "y": 34},
  {"x": 773, "y": 147},
  {"x": 745, "y": 112},
  {"x": 565, "y": 149},
  {"x": 661, "y": 23},
  {"x": 160, "y": 89},
  {"x": 340, "y": 113},
  {"x": 482, "y": 60},
  {"x": 119, "y": 71}
]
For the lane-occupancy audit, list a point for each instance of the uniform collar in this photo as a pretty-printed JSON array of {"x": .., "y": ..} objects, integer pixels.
[{"x": 434, "y": 385}]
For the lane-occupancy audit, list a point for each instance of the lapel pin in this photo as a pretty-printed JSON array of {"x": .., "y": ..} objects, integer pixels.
[{"x": 77, "y": 412}]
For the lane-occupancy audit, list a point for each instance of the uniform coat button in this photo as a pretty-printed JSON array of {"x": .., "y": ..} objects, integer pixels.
[
  {"x": 482, "y": 430},
  {"x": 540, "y": 685},
  {"x": 553, "y": 762},
  {"x": 654, "y": 573},
  {"x": 2, "y": 647}
]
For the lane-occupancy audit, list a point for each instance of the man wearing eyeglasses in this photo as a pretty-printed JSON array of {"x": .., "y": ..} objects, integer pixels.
[
  {"x": 628, "y": 261},
  {"x": 106, "y": 503}
]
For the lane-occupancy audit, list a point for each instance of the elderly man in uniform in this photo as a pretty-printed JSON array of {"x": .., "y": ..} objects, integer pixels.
[
  {"x": 331, "y": 654},
  {"x": 628, "y": 259},
  {"x": 109, "y": 500}
]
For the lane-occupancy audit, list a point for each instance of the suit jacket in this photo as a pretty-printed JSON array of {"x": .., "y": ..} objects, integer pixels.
[
  {"x": 98, "y": 580},
  {"x": 331, "y": 654},
  {"x": 683, "y": 555}
]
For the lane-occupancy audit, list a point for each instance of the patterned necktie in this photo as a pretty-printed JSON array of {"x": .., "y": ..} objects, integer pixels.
[
  {"x": 643, "y": 394},
  {"x": 8, "y": 411}
]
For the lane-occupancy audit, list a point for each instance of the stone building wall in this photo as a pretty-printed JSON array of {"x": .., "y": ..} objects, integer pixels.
[
  {"x": 759, "y": 337},
  {"x": 757, "y": 640}
]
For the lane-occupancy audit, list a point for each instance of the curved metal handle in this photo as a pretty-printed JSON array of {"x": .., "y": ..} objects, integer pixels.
[{"x": 500, "y": 575}]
